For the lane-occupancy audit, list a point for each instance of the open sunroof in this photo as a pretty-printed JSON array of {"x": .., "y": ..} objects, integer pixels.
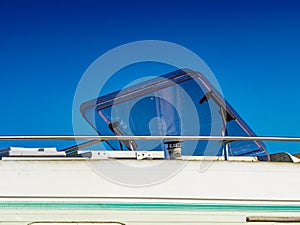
[{"x": 182, "y": 102}]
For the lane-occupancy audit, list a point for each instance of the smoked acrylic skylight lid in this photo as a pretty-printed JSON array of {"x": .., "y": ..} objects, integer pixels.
[{"x": 180, "y": 103}]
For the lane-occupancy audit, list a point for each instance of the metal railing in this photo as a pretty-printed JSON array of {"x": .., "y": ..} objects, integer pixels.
[{"x": 169, "y": 138}]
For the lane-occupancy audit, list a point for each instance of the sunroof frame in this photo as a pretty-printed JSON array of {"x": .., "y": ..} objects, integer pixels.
[{"x": 155, "y": 84}]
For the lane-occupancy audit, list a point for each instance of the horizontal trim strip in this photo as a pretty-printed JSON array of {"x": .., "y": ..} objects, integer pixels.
[
  {"x": 141, "y": 199},
  {"x": 283, "y": 219},
  {"x": 143, "y": 206}
]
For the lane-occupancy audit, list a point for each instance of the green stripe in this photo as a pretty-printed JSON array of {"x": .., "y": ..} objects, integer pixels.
[{"x": 144, "y": 206}]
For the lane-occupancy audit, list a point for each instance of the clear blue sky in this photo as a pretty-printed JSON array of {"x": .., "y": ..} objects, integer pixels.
[{"x": 253, "y": 48}]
